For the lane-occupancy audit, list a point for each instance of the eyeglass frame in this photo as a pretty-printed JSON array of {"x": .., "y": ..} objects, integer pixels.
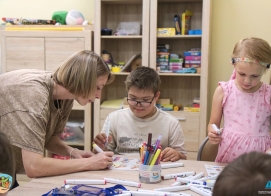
[{"x": 139, "y": 102}]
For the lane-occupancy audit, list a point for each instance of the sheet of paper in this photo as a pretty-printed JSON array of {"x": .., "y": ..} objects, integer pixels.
[
  {"x": 120, "y": 163},
  {"x": 213, "y": 169}
]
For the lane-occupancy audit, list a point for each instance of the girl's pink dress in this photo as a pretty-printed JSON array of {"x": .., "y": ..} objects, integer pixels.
[{"x": 246, "y": 121}]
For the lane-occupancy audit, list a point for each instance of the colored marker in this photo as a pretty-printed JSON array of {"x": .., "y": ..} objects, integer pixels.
[
  {"x": 176, "y": 184},
  {"x": 180, "y": 175},
  {"x": 214, "y": 177},
  {"x": 173, "y": 188},
  {"x": 171, "y": 165},
  {"x": 202, "y": 187},
  {"x": 145, "y": 193},
  {"x": 97, "y": 148},
  {"x": 83, "y": 181},
  {"x": 148, "y": 148},
  {"x": 197, "y": 176},
  {"x": 216, "y": 129},
  {"x": 202, "y": 192},
  {"x": 107, "y": 132},
  {"x": 167, "y": 193},
  {"x": 158, "y": 151},
  {"x": 183, "y": 180},
  {"x": 122, "y": 182}
]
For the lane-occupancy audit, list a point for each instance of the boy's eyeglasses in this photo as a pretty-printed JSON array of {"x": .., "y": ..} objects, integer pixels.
[{"x": 143, "y": 104}]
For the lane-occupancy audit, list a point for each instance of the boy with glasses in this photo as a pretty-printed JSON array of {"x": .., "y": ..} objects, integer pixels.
[{"x": 129, "y": 127}]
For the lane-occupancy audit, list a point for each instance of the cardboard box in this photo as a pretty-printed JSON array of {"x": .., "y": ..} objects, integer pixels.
[{"x": 166, "y": 31}]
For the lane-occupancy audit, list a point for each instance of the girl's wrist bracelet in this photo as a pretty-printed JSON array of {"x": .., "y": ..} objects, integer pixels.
[{"x": 71, "y": 157}]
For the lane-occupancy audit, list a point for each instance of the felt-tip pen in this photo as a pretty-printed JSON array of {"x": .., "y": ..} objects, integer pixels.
[
  {"x": 145, "y": 193},
  {"x": 122, "y": 182},
  {"x": 84, "y": 181},
  {"x": 167, "y": 193},
  {"x": 170, "y": 165},
  {"x": 200, "y": 191},
  {"x": 216, "y": 129},
  {"x": 173, "y": 188},
  {"x": 97, "y": 148},
  {"x": 180, "y": 175}
]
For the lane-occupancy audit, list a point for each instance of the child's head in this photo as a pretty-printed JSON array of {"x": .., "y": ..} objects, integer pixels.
[
  {"x": 7, "y": 165},
  {"x": 251, "y": 58},
  {"x": 246, "y": 175},
  {"x": 142, "y": 86},
  {"x": 79, "y": 73}
]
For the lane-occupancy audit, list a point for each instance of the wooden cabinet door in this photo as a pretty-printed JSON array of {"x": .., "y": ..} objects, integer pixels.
[
  {"x": 23, "y": 53},
  {"x": 59, "y": 49}
]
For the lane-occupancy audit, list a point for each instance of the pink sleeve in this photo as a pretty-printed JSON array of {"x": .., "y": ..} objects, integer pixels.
[
  {"x": 225, "y": 87},
  {"x": 267, "y": 95}
]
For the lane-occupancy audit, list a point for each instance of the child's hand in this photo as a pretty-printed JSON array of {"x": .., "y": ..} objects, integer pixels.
[
  {"x": 169, "y": 154},
  {"x": 214, "y": 137},
  {"x": 101, "y": 140}
]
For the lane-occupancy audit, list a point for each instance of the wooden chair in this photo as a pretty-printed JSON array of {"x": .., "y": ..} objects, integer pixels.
[{"x": 207, "y": 151}]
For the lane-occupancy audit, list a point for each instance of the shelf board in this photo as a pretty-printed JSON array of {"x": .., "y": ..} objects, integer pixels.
[
  {"x": 120, "y": 73},
  {"x": 179, "y": 74},
  {"x": 179, "y": 1},
  {"x": 121, "y": 37},
  {"x": 117, "y": 2},
  {"x": 179, "y": 36}
]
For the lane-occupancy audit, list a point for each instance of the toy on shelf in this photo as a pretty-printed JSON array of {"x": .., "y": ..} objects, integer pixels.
[
  {"x": 177, "y": 107},
  {"x": 74, "y": 17}
]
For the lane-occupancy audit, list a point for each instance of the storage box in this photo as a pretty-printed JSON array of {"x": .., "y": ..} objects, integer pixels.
[
  {"x": 128, "y": 28},
  {"x": 166, "y": 31},
  {"x": 73, "y": 131}
]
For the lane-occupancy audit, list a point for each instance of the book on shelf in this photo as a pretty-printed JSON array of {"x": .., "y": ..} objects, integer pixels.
[
  {"x": 196, "y": 100},
  {"x": 191, "y": 109}
]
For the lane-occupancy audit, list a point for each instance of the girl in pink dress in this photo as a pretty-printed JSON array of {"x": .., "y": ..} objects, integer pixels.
[{"x": 244, "y": 103}]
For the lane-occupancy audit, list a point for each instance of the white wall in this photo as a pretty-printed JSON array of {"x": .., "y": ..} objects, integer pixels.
[{"x": 44, "y": 9}]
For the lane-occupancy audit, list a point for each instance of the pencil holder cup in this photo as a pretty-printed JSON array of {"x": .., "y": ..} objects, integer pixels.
[{"x": 150, "y": 174}]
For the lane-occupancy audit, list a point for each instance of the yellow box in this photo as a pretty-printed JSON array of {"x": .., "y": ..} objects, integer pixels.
[
  {"x": 166, "y": 31},
  {"x": 191, "y": 109}
]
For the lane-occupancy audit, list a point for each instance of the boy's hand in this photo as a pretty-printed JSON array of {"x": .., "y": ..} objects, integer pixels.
[
  {"x": 214, "y": 137},
  {"x": 101, "y": 140},
  {"x": 169, "y": 154}
]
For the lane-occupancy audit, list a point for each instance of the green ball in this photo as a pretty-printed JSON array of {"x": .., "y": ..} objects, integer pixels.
[{"x": 60, "y": 16}]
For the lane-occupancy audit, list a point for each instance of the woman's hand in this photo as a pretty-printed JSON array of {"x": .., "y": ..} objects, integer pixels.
[{"x": 101, "y": 160}]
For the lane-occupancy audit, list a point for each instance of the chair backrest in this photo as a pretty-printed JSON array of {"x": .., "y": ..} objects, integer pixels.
[{"x": 207, "y": 151}]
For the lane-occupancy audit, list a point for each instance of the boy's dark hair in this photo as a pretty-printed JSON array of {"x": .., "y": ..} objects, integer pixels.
[
  {"x": 245, "y": 176},
  {"x": 143, "y": 78},
  {"x": 7, "y": 164}
]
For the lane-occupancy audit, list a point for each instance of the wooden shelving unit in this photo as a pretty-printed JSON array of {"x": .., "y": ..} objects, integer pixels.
[
  {"x": 179, "y": 88},
  {"x": 46, "y": 49}
]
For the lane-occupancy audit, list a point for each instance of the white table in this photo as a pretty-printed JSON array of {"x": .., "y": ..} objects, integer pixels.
[{"x": 39, "y": 186}]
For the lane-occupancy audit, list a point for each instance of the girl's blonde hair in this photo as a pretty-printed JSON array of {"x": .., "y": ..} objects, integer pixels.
[
  {"x": 254, "y": 49},
  {"x": 79, "y": 73}
]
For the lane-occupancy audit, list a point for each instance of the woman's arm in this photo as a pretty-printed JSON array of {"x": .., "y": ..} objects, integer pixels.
[{"x": 36, "y": 165}]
